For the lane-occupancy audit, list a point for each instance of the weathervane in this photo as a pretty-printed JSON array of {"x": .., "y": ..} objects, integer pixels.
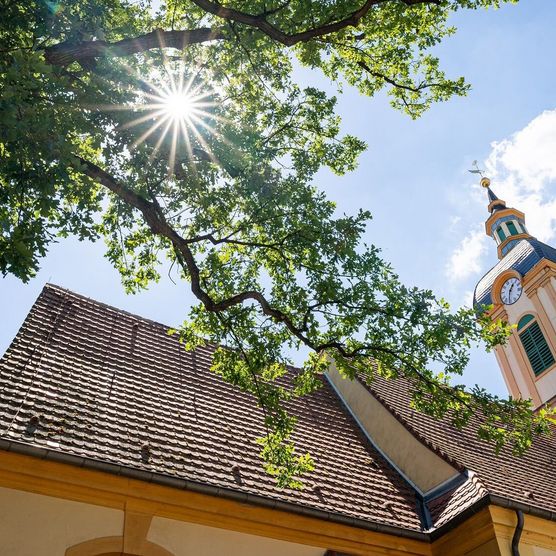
[{"x": 485, "y": 182}]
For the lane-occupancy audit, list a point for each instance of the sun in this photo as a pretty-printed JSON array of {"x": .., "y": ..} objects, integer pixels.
[
  {"x": 177, "y": 113},
  {"x": 179, "y": 106}
]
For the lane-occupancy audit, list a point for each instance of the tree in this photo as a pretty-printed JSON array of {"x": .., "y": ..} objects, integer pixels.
[{"x": 177, "y": 134}]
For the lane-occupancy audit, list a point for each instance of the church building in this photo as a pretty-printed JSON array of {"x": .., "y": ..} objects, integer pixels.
[{"x": 115, "y": 441}]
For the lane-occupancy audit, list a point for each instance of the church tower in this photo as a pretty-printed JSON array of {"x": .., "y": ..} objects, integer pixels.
[{"x": 521, "y": 289}]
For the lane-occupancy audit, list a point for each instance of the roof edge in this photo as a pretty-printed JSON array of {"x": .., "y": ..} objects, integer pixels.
[
  {"x": 510, "y": 504},
  {"x": 48, "y": 286},
  {"x": 202, "y": 488},
  {"x": 194, "y": 486}
]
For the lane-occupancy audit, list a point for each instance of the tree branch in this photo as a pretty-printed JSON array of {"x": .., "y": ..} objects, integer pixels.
[
  {"x": 394, "y": 83},
  {"x": 155, "y": 219},
  {"x": 158, "y": 225},
  {"x": 260, "y": 22},
  {"x": 65, "y": 53}
]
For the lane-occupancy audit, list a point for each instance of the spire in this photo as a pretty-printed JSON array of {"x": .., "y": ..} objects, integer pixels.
[
  {"x": 494, "y": 203},
  {"x": 505, "y": 225},
  {"x": 491, "y": 195}
]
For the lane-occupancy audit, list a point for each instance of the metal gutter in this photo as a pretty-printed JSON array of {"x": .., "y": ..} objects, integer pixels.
[
  {"x": 449, "y": 484},
  {"x": 423, "y": 500},
  {"x": 505, "y": 502},
  {"x": 184, "y": 484},
  {"x": 494, "y": 500}
]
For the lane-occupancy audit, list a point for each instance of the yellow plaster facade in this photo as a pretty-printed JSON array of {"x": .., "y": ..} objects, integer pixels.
[
  {"x": 54, "y": 509},
  {"x": 259, "y": 528}
]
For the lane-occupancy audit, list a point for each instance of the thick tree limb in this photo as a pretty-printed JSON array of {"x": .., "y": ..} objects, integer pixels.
[
  {"x": 159, "y": 226},
  {"x": 260, "y": 22},
  {"x": 65, "y": 53}
]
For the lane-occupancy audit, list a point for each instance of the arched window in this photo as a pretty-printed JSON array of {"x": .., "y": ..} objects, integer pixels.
[
  {"x": 534, "y": 344},
  {"x": 501, "y": 233}
]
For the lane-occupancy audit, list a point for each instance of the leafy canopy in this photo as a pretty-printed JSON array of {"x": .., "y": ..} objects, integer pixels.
[{"x": 225, "y": 194}]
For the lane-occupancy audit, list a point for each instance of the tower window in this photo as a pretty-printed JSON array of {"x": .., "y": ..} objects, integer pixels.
[
  {"x": 525, "y": 320},
  {"x": 534, "y": 343},
  {"x": 501, "y": 233},
  {"x": 512, "y": 229}
]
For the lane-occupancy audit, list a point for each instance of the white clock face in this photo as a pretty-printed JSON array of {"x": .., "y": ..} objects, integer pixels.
[{"x": 511, "y": 291}]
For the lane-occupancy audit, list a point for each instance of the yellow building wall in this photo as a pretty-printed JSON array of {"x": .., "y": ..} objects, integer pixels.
[
  {"x": 490, "y": 533},
  {"x": 55, "y": 509},
  {"x": 146, "y": 505},
  {"x": 34, "y": 524},
  {"x": 538, "y": 299},
  {"x": 474, "y": 537}
]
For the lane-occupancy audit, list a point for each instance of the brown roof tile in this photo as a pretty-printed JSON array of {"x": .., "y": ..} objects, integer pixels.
[
  {"x": 450, "y": 504},
  {"x": 89, "y": 380}
]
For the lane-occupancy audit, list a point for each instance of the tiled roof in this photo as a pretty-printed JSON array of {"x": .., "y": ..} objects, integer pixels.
[
  {"x": 522, "y": 258},
  {"x": 92, "y": 381},
  {"x": 529, "y": 479},
  {"x": 87, "y": 380}
]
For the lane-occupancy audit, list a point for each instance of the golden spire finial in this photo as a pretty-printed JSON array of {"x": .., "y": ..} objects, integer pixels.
[{"x": 485, "y": 182}]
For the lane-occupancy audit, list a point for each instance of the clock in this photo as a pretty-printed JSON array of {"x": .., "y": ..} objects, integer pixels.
[{"x": 511, "y": 291}]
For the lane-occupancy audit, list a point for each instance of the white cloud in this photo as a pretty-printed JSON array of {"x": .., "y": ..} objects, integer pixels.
[
  {"x": 454, "y": 221},
  {"x": 466, "y": 258},
  {"x": 523, "y": 172}
]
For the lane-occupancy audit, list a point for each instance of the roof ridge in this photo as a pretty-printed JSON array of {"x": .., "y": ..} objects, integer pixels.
[
  {"x": 56, "y": 287},
  {"x": 66, "y": 291}
]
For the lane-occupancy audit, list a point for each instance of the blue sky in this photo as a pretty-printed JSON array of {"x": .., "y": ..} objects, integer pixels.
[{"x": 428, "y": 210}]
